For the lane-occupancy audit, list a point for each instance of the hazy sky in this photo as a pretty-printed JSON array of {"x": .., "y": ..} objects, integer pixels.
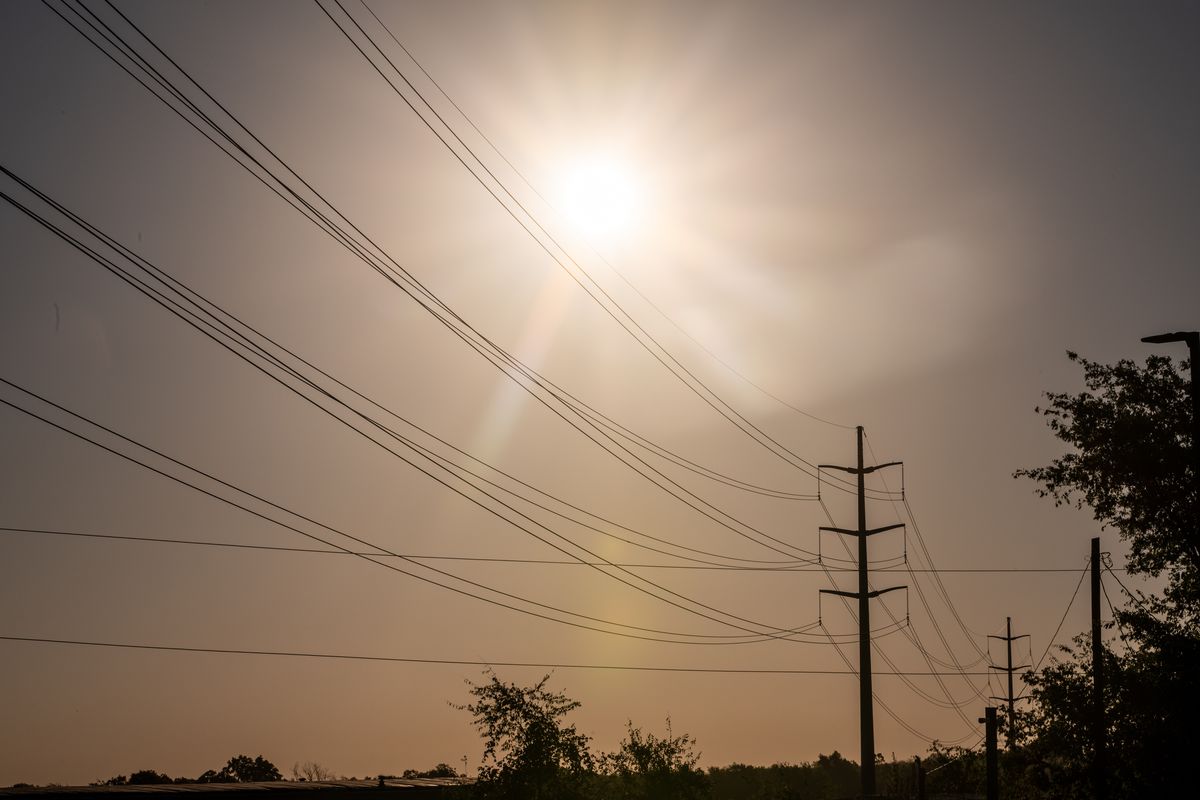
[{"x": 896, "y": 215}]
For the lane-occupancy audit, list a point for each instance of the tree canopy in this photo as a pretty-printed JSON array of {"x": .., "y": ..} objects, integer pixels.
[
  {"x": 647, "y": 767},
  {"x": 529, "y": 749},
  {"x": 1131, "y": 463}
]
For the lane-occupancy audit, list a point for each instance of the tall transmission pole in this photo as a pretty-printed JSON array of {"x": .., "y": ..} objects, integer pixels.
[
  {"x": 1011, "y": 699},
  {"x": 864, "y": 596}
]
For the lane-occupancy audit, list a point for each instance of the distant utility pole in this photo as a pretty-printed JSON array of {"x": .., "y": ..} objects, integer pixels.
[
  {"x": 1010, "y": 669},
  {"x": 865, "y": 694},
  {"x": 1099, "y": 788}
]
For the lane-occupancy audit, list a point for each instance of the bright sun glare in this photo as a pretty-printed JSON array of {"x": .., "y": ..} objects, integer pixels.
[{"x": 601, "y": 197}]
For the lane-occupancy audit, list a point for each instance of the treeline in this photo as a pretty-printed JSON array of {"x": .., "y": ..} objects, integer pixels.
[
  {"x": 239, "y": 769},
  {"x": 243, "y": 769}
]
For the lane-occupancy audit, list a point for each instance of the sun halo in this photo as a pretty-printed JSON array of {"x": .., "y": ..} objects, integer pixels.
[{"x": 601, "y": 197}]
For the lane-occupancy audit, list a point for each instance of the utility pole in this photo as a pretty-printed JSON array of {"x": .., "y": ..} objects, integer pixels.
[
  {"x": 1010, "y": 669},
  {"x": 1098, "y": 784},
  {"x": 993, "y": 767},
  {"x": 920, "y": 771},
  {"x": 864, "y": 596}
]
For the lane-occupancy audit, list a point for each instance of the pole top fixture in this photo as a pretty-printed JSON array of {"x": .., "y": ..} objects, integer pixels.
[{"x": 1178, "y": 336}]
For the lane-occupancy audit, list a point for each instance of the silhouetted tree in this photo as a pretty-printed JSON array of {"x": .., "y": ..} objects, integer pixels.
[
  {"x": 442, "y": 770},
  {"x": 1130, "y": 462},
  {"x": 530, "y": 753},
  {"x": 142, "y": 777},
  {"x": 148, "y": 776},
  {"x": 243, "y": 769},
  {"x": 215, "y": 776},
  {"x": 310, "y": 771},
  {"x": 649, "y": 768}
]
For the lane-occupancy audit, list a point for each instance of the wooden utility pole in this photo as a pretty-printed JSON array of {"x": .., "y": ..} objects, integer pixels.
[
  {"x": 1011, "y": 699},
  {"x": 1099, "y": 789},
  {"x": 864, "y": 596},
  {"x": 993, "y": 766}
]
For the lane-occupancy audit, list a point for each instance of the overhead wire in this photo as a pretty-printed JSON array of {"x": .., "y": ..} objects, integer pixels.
[
  {"x": 601, "y": 296},
  {"x": 344, "y": 239},
  {"x": 1054, "y": 636},
  {"x": 876, "y": 648},
  {"x": 371, "y": 558},
  {"x": 1134, "y": 597},
  {"x": 159, "y": 299},
  {"x": 486, "y": 507},
  {"x": 484, "y": 346},
  {"x": 420, "y": 556},
  {"x": 520, "y": 175},
  {"x": 949, "y": 702},
  {"x": 439, "y": 661},
  {"x": 360, "y": 29},
  {"x": 1112, "y": 612},
  {"x": 196, "y": 298},
  {"x": 945, "y": 594}
]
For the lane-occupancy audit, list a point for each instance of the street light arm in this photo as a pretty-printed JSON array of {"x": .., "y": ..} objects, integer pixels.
[{"x": 1191, "y": 337}]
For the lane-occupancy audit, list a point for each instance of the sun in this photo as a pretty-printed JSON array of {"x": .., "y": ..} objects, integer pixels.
[{"x": 601, "y": 197}]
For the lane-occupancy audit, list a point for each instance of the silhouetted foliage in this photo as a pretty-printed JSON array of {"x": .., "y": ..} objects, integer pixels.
[
  {"x": 442, "y": 770},
  {"x": 143, "y": 777},
  {"x": 243, "y": 769},
  {"x": 530, "y": 753},
  {"x": 148, "y": 776},
  {"x": 1131, "y": 462},
  {"x": 214, "y": 776},
  {"x": 1130, "y": 435},
  {"x": 649, "y": 768},
  {"x": 830, "y": 776}
]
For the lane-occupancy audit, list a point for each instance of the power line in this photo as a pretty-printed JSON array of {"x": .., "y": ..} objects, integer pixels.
[
  {"x": 483, "y": 559},
  {"x": 608, "y": 303},
  {"x": 928, "y": 559},
  {"x": 877, "y": 648},
  {"x": 340, "y": 5},
  {"x": 484, "y": 346},
  {"x": 617, "y": 272},
  {"x": 877, "y": 699},
  {"x": 1112, "y": 612},
  {"x": 446, "y": 661},
  {"x": 368, "y": 558},
  {"x": 911, "y": 635},
  {"x": 158, "y": 297},
  {"x": 914, "y": 638},
  {"x": 1067, "y": 610},
  {"x": 772, "y": 632},
  {"x": 196, "y": 300}
]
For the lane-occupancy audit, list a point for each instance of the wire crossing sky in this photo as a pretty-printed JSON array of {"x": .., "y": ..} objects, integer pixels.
[{"x": 548, "y": 312}]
